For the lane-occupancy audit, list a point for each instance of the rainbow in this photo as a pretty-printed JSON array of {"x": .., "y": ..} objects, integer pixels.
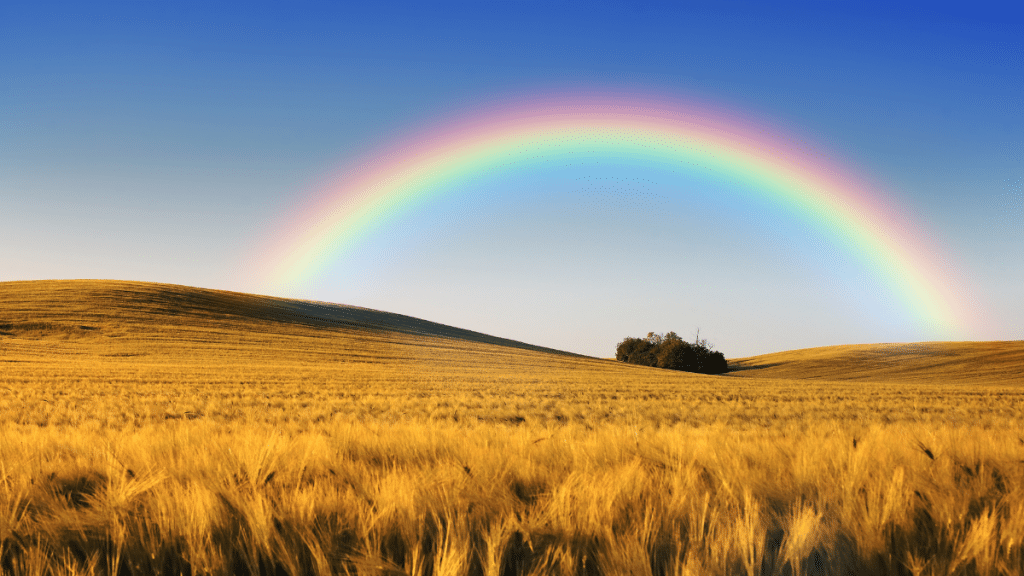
[{"x": 681, "y": 136}]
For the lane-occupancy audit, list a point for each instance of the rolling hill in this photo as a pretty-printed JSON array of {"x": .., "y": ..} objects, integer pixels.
[
  {"x": 73, "y": 307},
  {"x": 70, "y": 350},
  {"x": 168, "y": 429},
  {"x": 166, "y": 323},
  {"x": 940, "y": 362},
  {"x": 163, "y": 323}
]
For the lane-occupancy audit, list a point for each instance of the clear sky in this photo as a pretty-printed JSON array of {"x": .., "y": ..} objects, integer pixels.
[{"x": 167, "y": 142}]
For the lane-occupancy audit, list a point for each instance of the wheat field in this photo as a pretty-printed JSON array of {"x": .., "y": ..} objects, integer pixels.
[{"x": 159, "y": 429}]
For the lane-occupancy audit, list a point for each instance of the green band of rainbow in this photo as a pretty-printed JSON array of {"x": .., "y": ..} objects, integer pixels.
[{"x": 640, "y": 129}]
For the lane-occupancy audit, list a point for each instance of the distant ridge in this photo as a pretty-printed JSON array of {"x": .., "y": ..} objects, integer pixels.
[
  {"x": 975, "y": 362},
  {"x": 54, "y": 302}
]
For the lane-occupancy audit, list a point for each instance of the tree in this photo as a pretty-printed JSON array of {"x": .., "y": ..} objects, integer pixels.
[
  {"x": 676, "y": 355},
  {"x": 635, "y": 351},
  {"x": 672, "y": 352}
]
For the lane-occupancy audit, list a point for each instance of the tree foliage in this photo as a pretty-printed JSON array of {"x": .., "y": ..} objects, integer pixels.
[{"x": 672, "y": 352}]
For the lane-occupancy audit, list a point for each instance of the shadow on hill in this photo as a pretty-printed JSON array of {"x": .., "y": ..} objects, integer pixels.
[
  {"x": 736, "y": 366},
  {"x": 320, "y": 313},
  {"x": 46, "y": 306}
]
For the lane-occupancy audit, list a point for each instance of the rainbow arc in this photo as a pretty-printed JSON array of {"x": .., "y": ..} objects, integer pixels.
[{"x": 638, "y": 129}]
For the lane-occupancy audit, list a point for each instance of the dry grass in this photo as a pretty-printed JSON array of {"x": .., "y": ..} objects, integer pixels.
[
  {"x": 154, "y": 429},
  {"x": 942, "y": 363}
]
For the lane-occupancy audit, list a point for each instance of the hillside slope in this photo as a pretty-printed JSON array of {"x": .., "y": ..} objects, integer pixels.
[
  {"x": 945, "y": 362},
  {"x": 146, "y": 323},
  {"x": 130, "y": 353},
  {"x": 168, "y": 429},
  {"x": 117, "y": 354},
  {"x": 49, "y": 307}
]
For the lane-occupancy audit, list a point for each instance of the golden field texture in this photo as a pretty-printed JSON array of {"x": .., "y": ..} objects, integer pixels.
[{"x": 157, "y": 429}]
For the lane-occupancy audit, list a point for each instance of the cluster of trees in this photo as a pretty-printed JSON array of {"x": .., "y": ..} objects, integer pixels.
[{"x": 672, "y": 352}]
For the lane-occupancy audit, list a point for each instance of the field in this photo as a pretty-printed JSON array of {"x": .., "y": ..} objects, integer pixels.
[{"x": 158, "y": 429}]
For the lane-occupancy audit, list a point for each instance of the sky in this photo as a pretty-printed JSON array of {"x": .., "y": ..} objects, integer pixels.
[{"x": 183, "y": 143}]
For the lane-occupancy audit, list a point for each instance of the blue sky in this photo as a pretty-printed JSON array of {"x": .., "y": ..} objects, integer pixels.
[{"x": 158, "y": 141}]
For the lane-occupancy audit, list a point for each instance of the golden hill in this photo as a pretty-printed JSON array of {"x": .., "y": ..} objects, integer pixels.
[
  {"x": 166, "y": 323},
  {"x": 77, "y": 307},
  {"x": 156, "y": 350},
  {"x": 71, "y": 350},
  {"x": 149, "y": 428},
  {"x": 939, "y": 362}
]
